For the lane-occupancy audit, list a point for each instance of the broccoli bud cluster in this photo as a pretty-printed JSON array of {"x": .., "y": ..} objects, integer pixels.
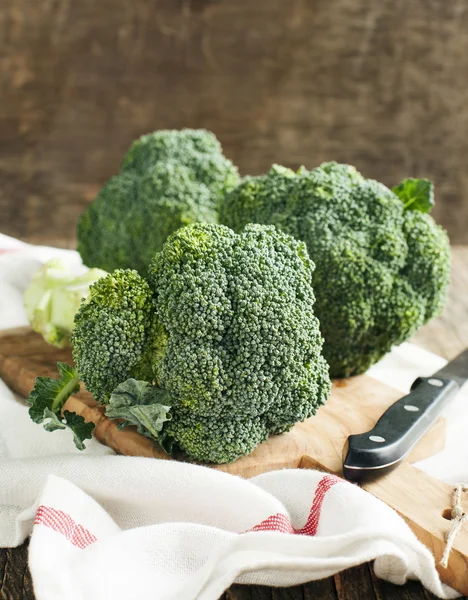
[
  {"x": 382, "y": 263},
  {"x": 168, "y": 179},
  {"x": 111, "y": 332}
]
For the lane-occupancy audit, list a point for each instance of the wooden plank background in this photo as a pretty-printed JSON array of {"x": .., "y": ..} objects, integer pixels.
[{"x": 382, "y": 84}]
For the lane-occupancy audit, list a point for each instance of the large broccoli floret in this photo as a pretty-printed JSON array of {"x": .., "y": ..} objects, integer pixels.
[
  {"x": 225, "y": 333},
  {"x": 382, "y": 263},
  {"x": 243, "y": 358},
  {"x": 168, "y": 179}
]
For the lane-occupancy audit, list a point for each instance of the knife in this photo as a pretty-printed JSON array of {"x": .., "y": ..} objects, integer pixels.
[{"x": 374, "y": 453}]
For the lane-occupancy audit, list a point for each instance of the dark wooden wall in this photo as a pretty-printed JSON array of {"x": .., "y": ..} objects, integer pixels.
[{"x": 382, "y": 84}]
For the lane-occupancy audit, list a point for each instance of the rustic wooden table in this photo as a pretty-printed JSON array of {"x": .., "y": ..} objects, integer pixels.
[{"x": 446, "y": 336}]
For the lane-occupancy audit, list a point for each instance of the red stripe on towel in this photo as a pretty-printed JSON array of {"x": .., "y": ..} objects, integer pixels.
[
  {"x": 61, "y": 522},
  {"x": 81, "y": 537},
  {"x": 282, "y": 524},
  {"x": 9, "y": 250}
]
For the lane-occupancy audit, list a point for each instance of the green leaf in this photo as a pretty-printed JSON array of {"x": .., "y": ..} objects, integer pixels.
[
  {"x": 54, "y": 423},
  {"x": 139, "y": 403},
  {"x": 47, "y": 399},
  {"x": 416, "y": 194},
  {"x": 80, "y": 428},
  {"x": 53, "y": 393}
]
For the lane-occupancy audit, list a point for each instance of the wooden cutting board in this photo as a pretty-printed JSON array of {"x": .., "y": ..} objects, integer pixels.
[{"x": 354, "y": 406}]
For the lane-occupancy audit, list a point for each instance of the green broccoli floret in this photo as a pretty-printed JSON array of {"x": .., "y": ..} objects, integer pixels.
[
  {"x": 210, "y": 440},
  {"x": 382, "y": 264},
  {"x": 114, "y": 330},
  {"x": 224, "y": 330},
  {"x": 243, "y": 358},
  {"x": 168, "y": 179}
]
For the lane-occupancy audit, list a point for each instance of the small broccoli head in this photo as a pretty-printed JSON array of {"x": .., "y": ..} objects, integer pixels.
[
  {"x": 168, "y": 179},
  {"x": 382, "y": 265},
  {"x": 243, "y": 346},
  {"x": 115, "y": 333}
]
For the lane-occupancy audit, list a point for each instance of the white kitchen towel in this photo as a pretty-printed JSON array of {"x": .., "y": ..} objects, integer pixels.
[{"x": 112, "y": 527}]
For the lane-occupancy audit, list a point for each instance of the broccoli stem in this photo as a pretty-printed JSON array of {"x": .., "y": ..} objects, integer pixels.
[
  {"x": 64, "y": 394},
  {"x": 410, "y": 202}
]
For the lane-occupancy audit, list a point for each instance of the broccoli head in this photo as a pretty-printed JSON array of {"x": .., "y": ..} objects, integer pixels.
[
  {"x": 114, "y": 330},
  {"x": 243, "y": 357},
  {"x": 168, "y": 179},
  {"x": 223, "y": 330},
  {"x": 382, "y": 263}
]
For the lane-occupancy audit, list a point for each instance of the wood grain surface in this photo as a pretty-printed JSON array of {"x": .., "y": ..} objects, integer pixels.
[
  {"x": 381, "y": 84},
  {"x": 446, "y": 336}
]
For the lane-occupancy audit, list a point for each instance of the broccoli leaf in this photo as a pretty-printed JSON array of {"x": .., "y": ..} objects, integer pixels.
[
  {"x": 47, "y": 399},
  {"x": 53, "y": 393},
  {"x": 139, "y": 403},
  {"x": 80, "y": 428},
  {"x": 416, "y": 194}
]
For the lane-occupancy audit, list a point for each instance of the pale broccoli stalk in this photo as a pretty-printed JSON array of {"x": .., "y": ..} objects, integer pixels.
[
  {"x": 53, "y": 298},
  {"x": 218, "y": 350}
]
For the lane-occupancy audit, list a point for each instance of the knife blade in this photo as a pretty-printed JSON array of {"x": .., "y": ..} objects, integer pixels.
[{"x": 373, "y": 453}]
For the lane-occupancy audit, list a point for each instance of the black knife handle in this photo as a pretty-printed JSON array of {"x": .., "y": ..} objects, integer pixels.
[{"x": 398, "y": 429}]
